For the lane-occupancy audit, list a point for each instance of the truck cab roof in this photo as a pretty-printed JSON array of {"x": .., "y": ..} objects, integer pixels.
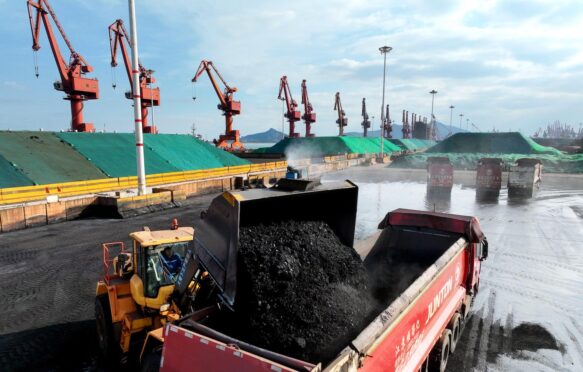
[{"x": 150, "y": 238}]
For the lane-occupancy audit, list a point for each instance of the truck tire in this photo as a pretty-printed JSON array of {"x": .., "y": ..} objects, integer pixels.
[
  {"x": 105, "y": 337},
  {"x": 455, "y": 325},
  {"x": 440, "y": 353}
]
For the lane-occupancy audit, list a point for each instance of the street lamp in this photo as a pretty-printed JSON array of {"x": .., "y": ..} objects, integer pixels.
[
  {"x": 468, "y": 124},
  {"x": 384, "y": 51},
  {"x": 433, "y": 93},
  {"x": 450, "y": 119},
  {"x": 461, "y": 116}
]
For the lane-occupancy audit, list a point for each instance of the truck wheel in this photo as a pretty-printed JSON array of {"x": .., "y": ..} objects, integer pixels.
[
  {"x": 440, "y": 353},
  {"x": 455, "y": 327},
  {"x": 151, "y": 362},
  {"x": 105, "y": 338}
]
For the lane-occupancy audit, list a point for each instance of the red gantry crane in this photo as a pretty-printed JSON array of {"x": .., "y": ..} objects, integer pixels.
[
  {"x": 292, "y": 114},
  {"x": 342, "y": 121},
  {"x": 229, "y": 106},
  {"x": 406, "y": 128},
  {"x": 388, "y": 125},
  {"x": 77, "y": 87},
  {"x": 150, "y": 97},
  {"x": 309, "y": 116},
  {"x": 365, "y": 121}
]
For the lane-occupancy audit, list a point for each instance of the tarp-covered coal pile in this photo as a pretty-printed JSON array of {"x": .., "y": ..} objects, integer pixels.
[{"x": 301, "y": 292}]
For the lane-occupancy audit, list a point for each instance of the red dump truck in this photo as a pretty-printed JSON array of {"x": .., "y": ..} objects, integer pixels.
[
  {"x": 432, "y": 262},
  {"x": 439, "y": 173},
  {"x": 488, "y": 177}
]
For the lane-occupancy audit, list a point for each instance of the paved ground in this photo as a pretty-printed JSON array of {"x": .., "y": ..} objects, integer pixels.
[{"x": 528, "y": 313}]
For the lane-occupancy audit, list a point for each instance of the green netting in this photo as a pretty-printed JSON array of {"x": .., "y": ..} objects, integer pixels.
[
  {"x": 115, "y": 153},
  {"x": 491, "y": 143},
  {"x": 188, "y": 153},
  {"x": 412, "y": 144},
  {"x": 10, "y": 176},
  {"x": 326, "y": 146},
  {"x": 551, "y": 163},
  {"x": 368, "y": 145},
  {"x": 43, "y": 158}
]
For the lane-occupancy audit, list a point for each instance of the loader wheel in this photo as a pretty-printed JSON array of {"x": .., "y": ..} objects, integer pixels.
[
  {"x": 151, "y": 362},
  {"x": 456, "y": 328},
  {"x": 105, "y": 337},
  {"x": 440, "y": 353}
]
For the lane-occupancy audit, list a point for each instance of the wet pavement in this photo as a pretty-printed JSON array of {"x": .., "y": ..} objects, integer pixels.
[{"x": 528, "y": 314}]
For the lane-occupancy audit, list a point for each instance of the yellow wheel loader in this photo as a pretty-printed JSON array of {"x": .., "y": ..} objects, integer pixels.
[{"x": 179, "y": 274}]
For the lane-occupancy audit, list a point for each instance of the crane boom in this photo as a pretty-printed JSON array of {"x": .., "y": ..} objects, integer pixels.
[
  {"x": 226, "y": 104},
  {"x": 365, "y": 121},
  {"x": 342, "y": 121},
  {"x": 76, "y": 87},
  {"x": 309, "y": 116},
  {"x": 150, "y": 97},
  {"x": 292, "y": 113}
]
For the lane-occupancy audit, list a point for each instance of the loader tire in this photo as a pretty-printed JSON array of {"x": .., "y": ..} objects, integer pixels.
[
  {"x": 105, "y": 337},
  {"x": 440, "y": 354},
  {"x": 455, "y": 326}
]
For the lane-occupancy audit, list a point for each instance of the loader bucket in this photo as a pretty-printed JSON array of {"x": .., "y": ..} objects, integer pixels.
[{"x": 217, "y": 236}]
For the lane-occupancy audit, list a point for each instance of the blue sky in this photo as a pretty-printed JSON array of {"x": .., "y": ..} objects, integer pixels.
[{"x": 512, "y": 65}]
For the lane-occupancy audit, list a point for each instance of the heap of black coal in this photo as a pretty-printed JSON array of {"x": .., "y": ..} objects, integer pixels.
[{"x": 301, "y": 292}]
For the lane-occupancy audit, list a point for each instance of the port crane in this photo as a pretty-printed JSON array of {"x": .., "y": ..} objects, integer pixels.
[
  {"x": 292, "y": 114},
  {"x": 406, "y": 128},
  {"x": 309, "y": 116},
  {"x": 365, "y": 121},
  {"x": 387, "y": 125},
  {"x": 231, "y": 139},
  {"x": 73, "y": 82},
  {"x": 342, "y": 121},
  {"x": 150, "y": 97}
]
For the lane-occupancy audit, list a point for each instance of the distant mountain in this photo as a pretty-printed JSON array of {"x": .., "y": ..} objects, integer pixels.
[
  {"x": 442, "y": 131},
  {"x": 271, "y": 135}
]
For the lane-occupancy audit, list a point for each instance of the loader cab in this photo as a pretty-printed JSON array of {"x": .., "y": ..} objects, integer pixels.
[{"x": 157, "y": 259}]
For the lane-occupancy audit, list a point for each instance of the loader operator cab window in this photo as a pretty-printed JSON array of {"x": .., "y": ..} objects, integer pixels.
[{"x": 163, "y": 263}]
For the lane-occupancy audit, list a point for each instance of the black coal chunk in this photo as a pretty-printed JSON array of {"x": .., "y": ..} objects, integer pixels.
[{"x": 301, "y": 292}]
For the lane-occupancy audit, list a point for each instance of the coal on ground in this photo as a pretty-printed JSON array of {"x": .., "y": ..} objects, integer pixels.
[{"x": 301, "y": 292}]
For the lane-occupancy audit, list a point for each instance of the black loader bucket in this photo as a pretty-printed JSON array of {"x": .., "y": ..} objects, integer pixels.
[{"x": 217, "y": 236}]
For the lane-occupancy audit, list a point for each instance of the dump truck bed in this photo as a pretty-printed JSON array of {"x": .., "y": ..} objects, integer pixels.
[{"x": 423, "y": 281}]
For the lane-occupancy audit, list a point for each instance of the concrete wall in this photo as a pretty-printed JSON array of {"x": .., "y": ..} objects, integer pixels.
[{"x": 21, "y": 216}]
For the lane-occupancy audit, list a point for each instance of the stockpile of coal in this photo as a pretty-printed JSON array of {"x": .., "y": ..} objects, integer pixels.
[{"x": 301, "y": 292}]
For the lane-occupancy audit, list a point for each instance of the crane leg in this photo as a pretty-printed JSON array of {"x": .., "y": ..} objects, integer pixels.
[
  {"x": 77, "y": 124},
  {"x": 146, "y": 128}
]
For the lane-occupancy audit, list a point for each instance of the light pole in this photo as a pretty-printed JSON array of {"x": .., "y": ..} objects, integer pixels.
[
  {"x": 461, "y": 117},
  {"x": 141, "y": 168},
  {"x": 468, "y": 124},
  {"x": 433, "y": 93},
  {"x": 451, "y": 119},
  {"x": 384, "y": 51}
]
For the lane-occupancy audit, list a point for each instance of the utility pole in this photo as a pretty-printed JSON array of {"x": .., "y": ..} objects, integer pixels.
[
  {"x": 384, "y": 51},
  {"x": 461, "y": 117},
  {"x": 141, "y": 168},
  {"x": 451, "y": 119}
]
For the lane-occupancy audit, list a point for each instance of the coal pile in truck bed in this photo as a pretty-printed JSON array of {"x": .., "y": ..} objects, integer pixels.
[{"x": 301, "y": 292}]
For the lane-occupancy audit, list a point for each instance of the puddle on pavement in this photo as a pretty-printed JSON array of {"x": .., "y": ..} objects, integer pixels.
[{"x": 531, "y": 337}]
